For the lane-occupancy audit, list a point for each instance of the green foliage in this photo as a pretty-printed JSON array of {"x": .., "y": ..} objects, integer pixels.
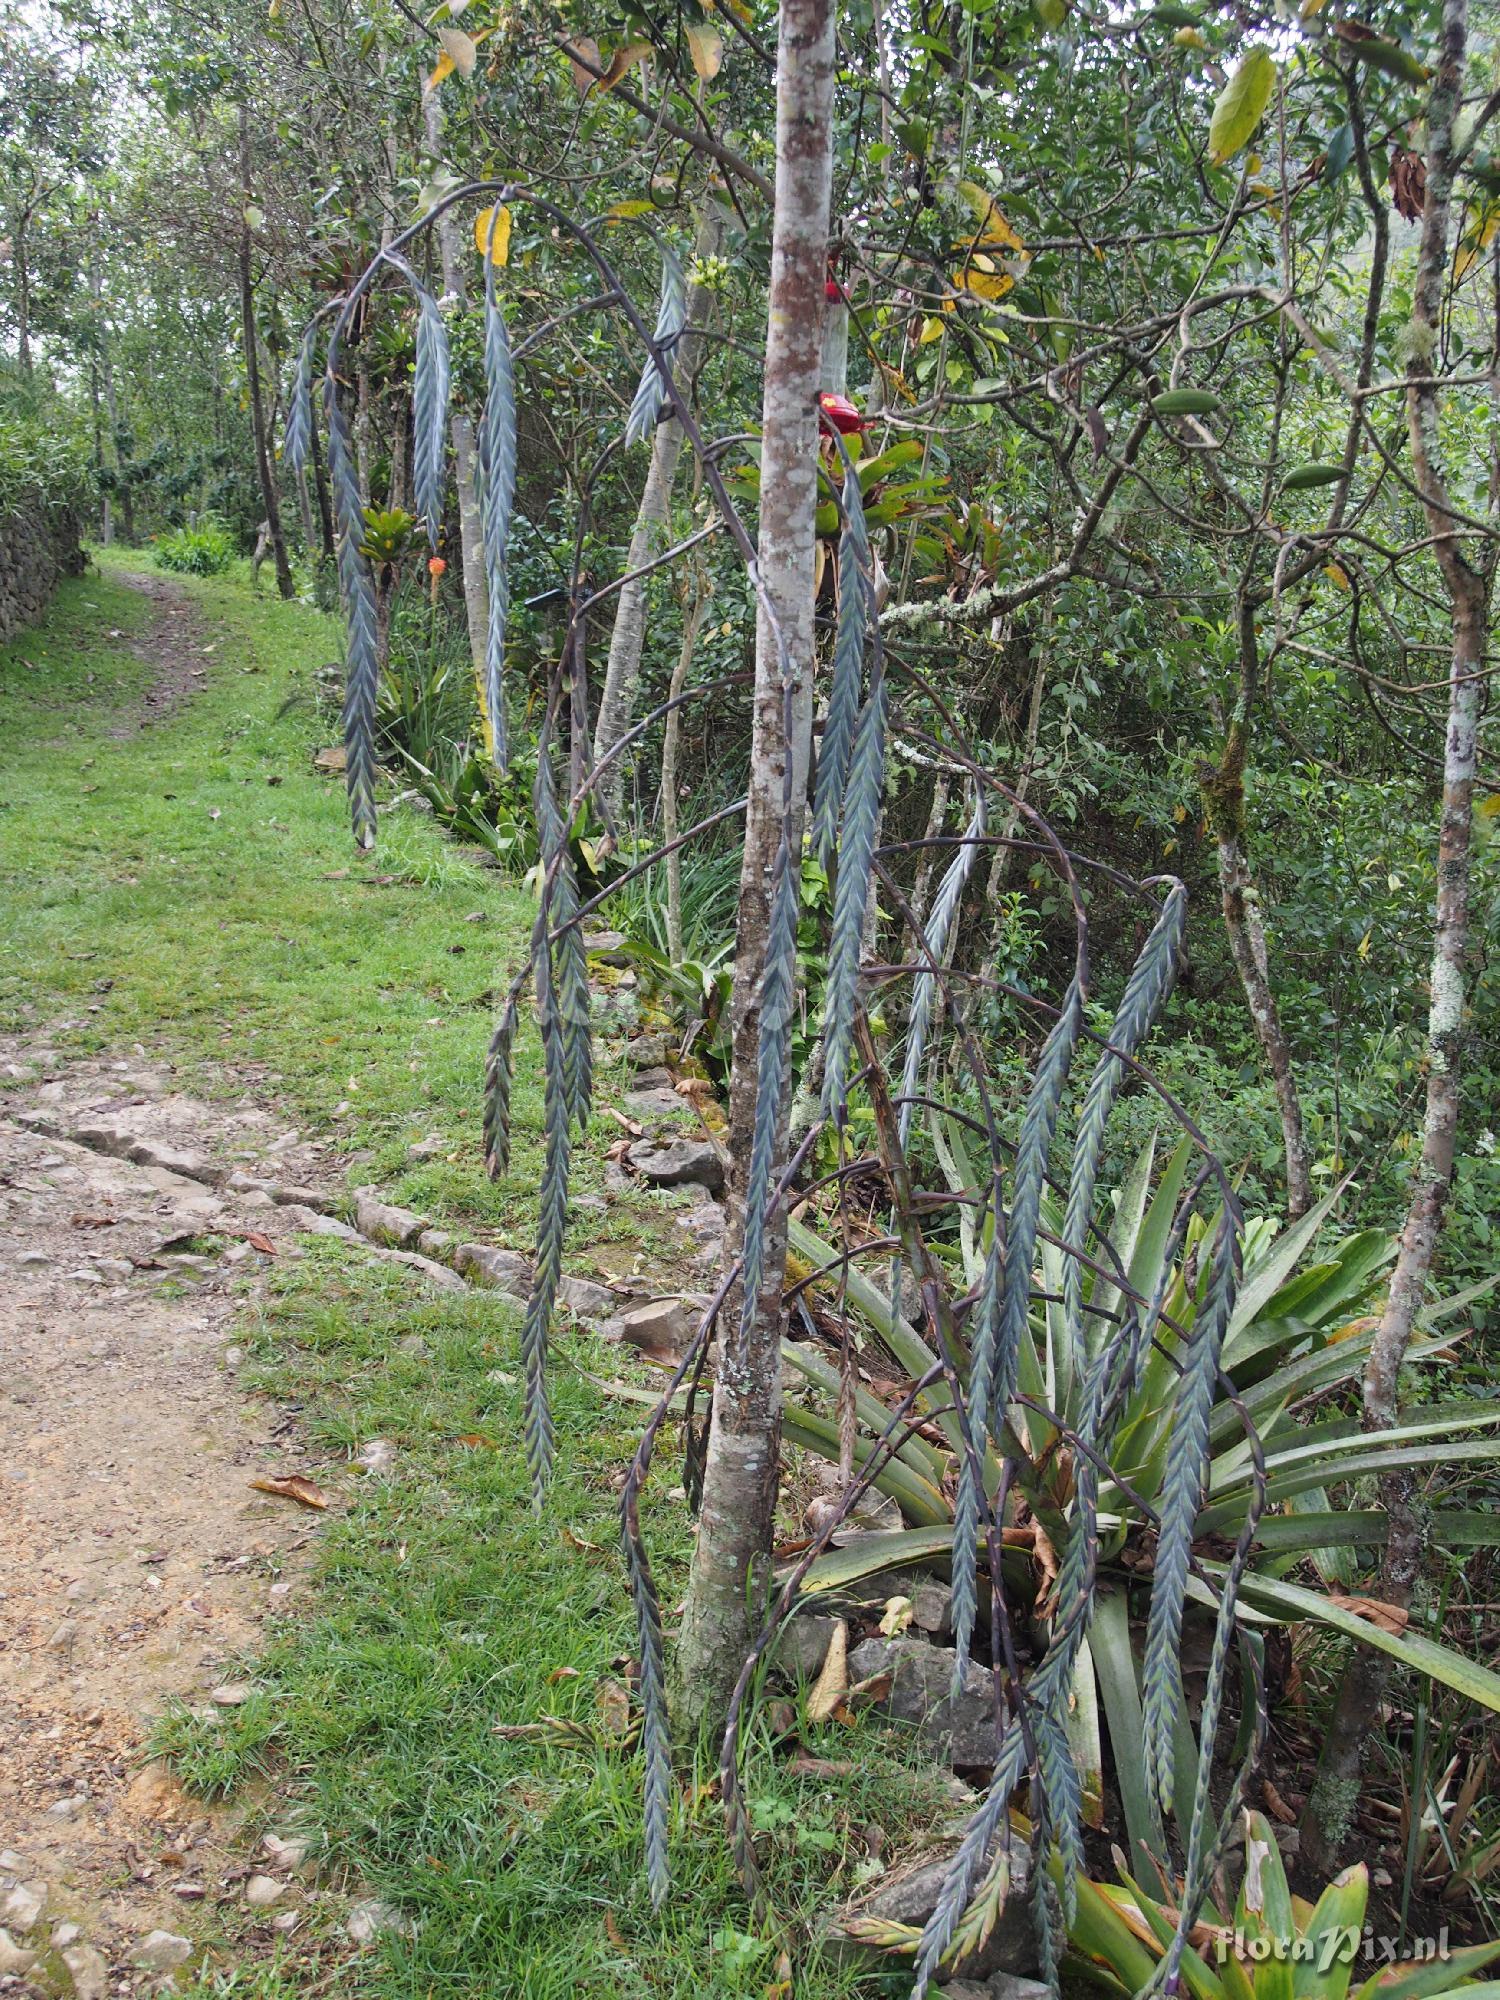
[
  {"x": 1269, "y": 1944},
  {"x": 205, "y": 550},
  {"x": 44, "y": 461}
]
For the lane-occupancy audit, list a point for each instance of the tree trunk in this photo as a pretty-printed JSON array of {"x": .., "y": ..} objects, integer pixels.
[
  {"x": 109, "y": 459},
  {"x": 23, "y": 295},
  {"x": 731, "y": 1560},
  {"x": 622, "y": 672},
  {"x": 1223, "y": 789},
  {"x": 694, "y": 607},
  {"x": 1357, "y": 1708},
  {"x": 269, "y": 497},
  {"x": 461, "y": 427}
]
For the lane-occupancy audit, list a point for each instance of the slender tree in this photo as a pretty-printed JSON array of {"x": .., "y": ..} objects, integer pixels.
[
  {"x": 1467, "y": 579},
  {"x": 742, "y": 1467}
]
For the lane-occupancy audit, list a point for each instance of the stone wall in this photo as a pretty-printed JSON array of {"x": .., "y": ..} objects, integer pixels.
[{"x": 36, "y": 548}]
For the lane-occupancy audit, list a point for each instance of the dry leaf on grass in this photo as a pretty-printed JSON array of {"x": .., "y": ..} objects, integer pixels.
[
  {"x": 293, "y": 1487},
  {"x": 1389, "y": 1617},
  {"x": 833, "y": 1682},
  {"x": 612, "y": 1701},
  {"x": 896, "y": 1616}
]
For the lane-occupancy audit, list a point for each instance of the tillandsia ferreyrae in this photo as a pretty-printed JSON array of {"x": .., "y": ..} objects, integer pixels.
[{"x": 977, "y": 1383}]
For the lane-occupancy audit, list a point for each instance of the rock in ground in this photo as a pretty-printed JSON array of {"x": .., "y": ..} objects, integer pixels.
[
  {"x": 908, "y": 1896},
  {"x": 383, "y": 1222},
  {"x": 661, "y": 1326},
  {"x": 676, "y": 1162},
  {"x": 961, "y": 1727},
  {"x": 161, "y": 1951},
  {"x": 505, "y": 1270}
]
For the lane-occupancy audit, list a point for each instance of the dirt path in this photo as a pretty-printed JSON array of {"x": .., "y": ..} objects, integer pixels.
[{"x": 136, "y": 1562}]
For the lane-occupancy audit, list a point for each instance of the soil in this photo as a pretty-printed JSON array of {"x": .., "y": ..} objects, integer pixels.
[
  {"x": 176, "y": 646},
  {"x": 137, "y": 1564}
]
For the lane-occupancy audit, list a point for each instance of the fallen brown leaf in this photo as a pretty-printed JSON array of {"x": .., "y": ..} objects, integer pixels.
[
  {"x": 258, "y": 1240},
  {"x": 613, "y": 1932},
  {"x": 293, "y": 1487},
  {"x": 612, "y": 1701},
  {"x": 833, "y": 1682},
  {"x": 1389, "y": 1617},
  {"x": 804, "y": 1766},
  {"x": 1276, "y": 1805}
]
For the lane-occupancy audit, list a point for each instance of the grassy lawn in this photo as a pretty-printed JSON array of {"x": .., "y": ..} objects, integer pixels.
[{"x": 193, "y": 888}]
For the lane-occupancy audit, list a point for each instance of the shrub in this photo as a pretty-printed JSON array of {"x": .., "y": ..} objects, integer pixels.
[{"x": 206, "y": 550}]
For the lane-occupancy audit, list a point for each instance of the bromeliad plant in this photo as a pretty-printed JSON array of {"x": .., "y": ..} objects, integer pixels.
[
  {"x": 1270, "y": 1945},
  {"x": 1293, "y": 1341},
  {"x": 1103, "y": 1375}
]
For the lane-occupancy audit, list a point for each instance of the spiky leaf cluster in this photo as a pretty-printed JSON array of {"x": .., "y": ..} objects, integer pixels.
[
  {"x": 497, "y": 492},
  {"x": 651, "y": 394},
  {"x": 429, "y": 413}
]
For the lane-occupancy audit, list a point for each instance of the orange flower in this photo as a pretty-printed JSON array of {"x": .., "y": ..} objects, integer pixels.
[{"x": 435, "y": 566}]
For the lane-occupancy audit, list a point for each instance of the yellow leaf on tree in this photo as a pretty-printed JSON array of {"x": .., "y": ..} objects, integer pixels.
[
  {"x": 931, "y": 329},
  {"x": 498, "y": 244},
  {"x": 706, "y": 47},
  {"x": 622, "y": 211},
  {"x": 1476, "y": 239},
  {"x": 442, "y": 69},
  {"x": 622, "y": 62},
  {"x": 1336, "y": 573},
  {"x": 990, "y": 284},
  {"x": 583, "y": 77},
  {"x": 459, "y": 49},
  {"x": 993, "y": 225}
]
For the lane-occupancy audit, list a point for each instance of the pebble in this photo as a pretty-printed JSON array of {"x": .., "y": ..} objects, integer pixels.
[
  {"x": 88, "y": 1972},
  {"x": 367, "y": 1920},
  {"x": 231, "y": 1694},
  {"x": 15, "y": 1960},
  {"x": 160, "y": 1951},
  {"x": 22, "y": 1904},
  {"x": 33, "y": 1259},
  {"x": 63, "y": 1636},
  {"x": 233, "y": 1356},
  {"x": 65, "y": 1934}
]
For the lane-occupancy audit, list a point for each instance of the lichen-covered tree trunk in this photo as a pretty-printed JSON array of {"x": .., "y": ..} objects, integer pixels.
[
  {"x": 731, "y": 1560},
  {"x": 1468, "y": 587},
  {"x": 622, "y": 672},
  {"x": 461, "y": 428}
]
